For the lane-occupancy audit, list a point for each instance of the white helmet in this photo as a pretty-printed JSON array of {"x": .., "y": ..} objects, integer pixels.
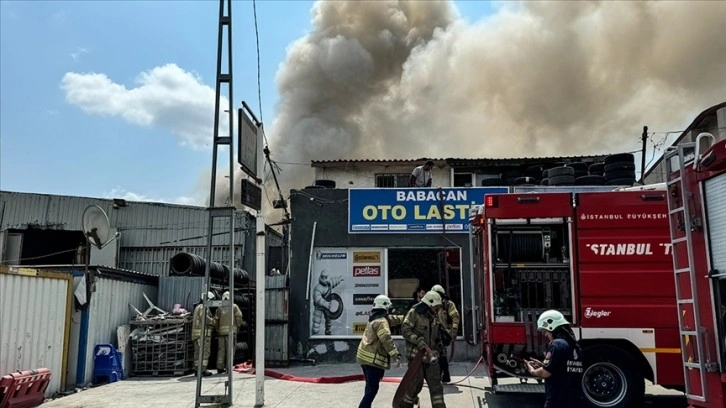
[
  {"x": 550, "y": 320},
  {"x": 381, "y": 302},
  {"x": 225, "y": 295},
  {"x": 439, "y": 289},
  {"x": 432, "y": 299},
  {"x": 210, "y": 295}
]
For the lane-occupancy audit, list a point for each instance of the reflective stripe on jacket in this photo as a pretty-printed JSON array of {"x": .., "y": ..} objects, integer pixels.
[{"x": 376, "y": 347}]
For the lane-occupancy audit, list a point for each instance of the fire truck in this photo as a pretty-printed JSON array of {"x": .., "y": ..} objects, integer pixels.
[
  {"x": 697, "y": 209},
  {"x": 604, "y": 260}
]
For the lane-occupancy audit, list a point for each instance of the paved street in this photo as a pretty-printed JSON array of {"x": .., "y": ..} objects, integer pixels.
[{"x": 179, "y": 391}]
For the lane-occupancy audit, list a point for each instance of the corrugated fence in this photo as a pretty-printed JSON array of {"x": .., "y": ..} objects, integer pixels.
[
  {"x": 277, "y": 296},
  {"x": 35, "y": 309}
]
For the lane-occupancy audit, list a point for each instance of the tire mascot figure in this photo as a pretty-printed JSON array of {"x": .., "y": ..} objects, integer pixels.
[{"x": 328, "y": 305}]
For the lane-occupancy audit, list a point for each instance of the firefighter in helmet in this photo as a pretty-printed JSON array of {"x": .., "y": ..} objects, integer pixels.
[
  {"x": 376, "y": 349},
  {"x": 321, "y": 293},
  {"x": 202, "y": 338},
  {"x": 225, "y": 325},
  {"x": 449, "y": 318},
  {"x": 421, "y": 331},
  {"x": 562, "y": 367}
]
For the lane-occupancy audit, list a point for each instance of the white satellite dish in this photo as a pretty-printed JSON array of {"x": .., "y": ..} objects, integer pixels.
[{"x": 96, "y": 226}]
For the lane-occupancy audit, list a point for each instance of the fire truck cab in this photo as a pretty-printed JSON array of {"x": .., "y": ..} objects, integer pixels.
[
  {"x": 603, "y": 259},
  {"x": 697, "y": 211}
]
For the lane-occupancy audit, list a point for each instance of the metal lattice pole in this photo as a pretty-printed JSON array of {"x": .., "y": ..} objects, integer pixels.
[{"x": 223, "y": 212}]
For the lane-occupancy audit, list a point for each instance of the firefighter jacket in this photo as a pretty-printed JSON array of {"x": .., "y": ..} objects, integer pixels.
[
  {"x": 197, "y": 322},
  {"x": 376, "y": 347},
  {"x": 224, "y": 320},
  {"x": 449, "y": 317},
  {"x": 420, "y": 328}
]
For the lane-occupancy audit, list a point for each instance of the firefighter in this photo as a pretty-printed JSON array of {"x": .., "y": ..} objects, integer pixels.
[
  {"x": 224, "y": 325},
  {"x": 376, "y": 349},
  {"x": 562, "y": 367},
  {"x": 421, "y": 331},
  {"x": 200, "y": 339},
  {"x": 449, "y": 318}
]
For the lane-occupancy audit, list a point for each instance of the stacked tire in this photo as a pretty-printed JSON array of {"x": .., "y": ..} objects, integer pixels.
[
  {"x": 560, "y": 176},
  {"x": 619, "y": 169}
]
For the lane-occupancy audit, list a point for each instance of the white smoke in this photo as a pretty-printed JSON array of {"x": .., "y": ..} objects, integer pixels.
[{"x": 408, "y": 79}]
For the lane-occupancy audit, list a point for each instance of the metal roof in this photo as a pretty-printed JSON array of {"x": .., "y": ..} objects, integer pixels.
[
  {"x": 463, "y": 161},
  {"x": 693, "y": 126},
  {"x": 142, "y": 224}
]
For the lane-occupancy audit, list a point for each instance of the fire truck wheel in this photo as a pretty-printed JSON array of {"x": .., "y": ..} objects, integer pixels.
[{"x": 612, "y": 378}]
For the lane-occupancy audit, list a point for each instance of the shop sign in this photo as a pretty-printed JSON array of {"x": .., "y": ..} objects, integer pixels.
[
  {"x": 344, "y": 283},
  {"x": 413, "y": 210}
]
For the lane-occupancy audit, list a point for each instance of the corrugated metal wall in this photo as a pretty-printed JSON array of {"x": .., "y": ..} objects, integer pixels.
[
  {"x": 277, "y": 297},
  {"x": 179, "y": 289},
  {"x": 151, "y": 233},
  {"x": 34, "y": 322},
  {"x": 109, "y": 309}
]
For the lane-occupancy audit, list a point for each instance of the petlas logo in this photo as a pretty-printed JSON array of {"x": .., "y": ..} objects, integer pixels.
[
  {"x": 589, "y": 313},
  {"x": 366, "y": 271}
]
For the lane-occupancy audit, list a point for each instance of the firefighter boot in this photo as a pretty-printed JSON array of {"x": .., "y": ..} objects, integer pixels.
[{"x": 444, "y": 365}]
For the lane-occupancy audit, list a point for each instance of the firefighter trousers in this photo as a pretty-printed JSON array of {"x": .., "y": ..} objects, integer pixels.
[
  {"x": 432, "y": 374},
  {"x": 221, "y": 352},
  {"x": 205, "y": 355}
]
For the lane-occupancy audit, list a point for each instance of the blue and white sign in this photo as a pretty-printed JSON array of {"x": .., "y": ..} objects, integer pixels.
[{"x": 413, "y": 210}]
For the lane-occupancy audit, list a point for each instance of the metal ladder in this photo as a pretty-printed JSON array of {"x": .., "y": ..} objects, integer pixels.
[
  {"x": 224, "y": 212},
  {"x": 686, "y": 300}
]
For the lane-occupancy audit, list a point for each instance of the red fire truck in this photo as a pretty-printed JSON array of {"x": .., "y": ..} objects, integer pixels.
[
  {"x": 604, "y": 260},
  {"x": 697, "y": 209}
]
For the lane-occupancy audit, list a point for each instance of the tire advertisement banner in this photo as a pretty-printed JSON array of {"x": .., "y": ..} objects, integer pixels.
[{"x": 343, "y": 284}]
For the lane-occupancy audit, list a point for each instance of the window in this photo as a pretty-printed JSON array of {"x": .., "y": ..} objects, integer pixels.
[
  {"x": 463, "y": 179},
  {"x": 410, "y": 269},
  {"x": 392, "y": 180}
]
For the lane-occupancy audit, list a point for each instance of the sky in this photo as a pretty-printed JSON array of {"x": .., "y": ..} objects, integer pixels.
[{"x": 116, "y": 98}]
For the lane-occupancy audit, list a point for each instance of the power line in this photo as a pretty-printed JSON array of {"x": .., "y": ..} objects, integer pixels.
[{"x": 259, "y": 82}]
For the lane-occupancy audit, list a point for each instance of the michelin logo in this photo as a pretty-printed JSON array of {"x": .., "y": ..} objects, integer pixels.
[{"x": 330, "y": 255}]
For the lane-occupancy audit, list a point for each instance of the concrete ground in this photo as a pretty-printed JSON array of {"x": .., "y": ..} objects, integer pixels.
[{"x": 179, "y": 391}]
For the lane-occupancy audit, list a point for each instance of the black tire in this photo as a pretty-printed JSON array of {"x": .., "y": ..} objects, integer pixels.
[
  {"x": 545, "y": 182},
  {"x": 488, "y": 182},
  {"x": 612, "y": 378},
  {"x": 619, "y": 166},
  {"x": 578, "y": 166},
  {"x": 590, "y": 181},
  {"x": 561, "y": 181},
  {"x": 620, "y": 174},
  {"x": 621, "y": 157},
  {"x": 339, "y": 312},
  {"x": 560, "y": 171},
  {"x": 312, "y": 187},
  {"x": 621, "y": 182},
  {"x": 522, "y": 181},
  {"x": 325, "y": 183},
  {"x": 545, "y": 173},
  {"x": 597, "y": 168}
]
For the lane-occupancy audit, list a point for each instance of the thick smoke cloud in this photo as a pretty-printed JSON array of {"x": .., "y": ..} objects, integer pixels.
[{"x": 408, "y": 79}]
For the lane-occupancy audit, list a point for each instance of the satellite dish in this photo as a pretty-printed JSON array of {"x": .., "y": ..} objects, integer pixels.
[{"x": 96, "y": 226}]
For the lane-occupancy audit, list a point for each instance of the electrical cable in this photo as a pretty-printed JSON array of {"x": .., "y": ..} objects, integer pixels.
[{"x": 39, "y": 256}]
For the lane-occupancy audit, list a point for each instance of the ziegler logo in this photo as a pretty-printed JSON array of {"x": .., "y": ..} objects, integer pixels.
[
  {"x": 366, "y": 271},
  {"x": 596, "y": 313}
]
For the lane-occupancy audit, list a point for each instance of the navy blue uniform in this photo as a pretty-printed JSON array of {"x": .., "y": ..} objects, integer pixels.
[{"x": 563, "y": 389}]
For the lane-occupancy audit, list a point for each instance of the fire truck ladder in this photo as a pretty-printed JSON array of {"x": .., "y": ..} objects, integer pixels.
[{"x": 675, "y": 159}]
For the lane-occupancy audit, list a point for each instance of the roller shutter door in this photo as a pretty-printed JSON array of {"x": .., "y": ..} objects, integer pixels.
[{"x": 715, "y": 192}]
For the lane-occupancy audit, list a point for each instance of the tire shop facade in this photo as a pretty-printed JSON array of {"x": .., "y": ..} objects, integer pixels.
[{"x": 379, "y": 236}]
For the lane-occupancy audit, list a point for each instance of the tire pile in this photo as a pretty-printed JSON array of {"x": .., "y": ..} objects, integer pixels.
[{"x": 616, "y": 170}]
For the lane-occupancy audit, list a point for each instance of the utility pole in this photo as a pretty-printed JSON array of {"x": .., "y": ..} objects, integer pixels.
[
  {"x": 228, "y": 213},
  {"x": 644, "y": 138}
]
